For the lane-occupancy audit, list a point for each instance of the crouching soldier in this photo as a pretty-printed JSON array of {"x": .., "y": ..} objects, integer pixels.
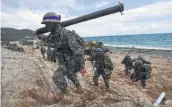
[
  {"x": 141, "y": 72},
  {"x": 127, "y": 61},
  {"x": 104, "y": 67}
]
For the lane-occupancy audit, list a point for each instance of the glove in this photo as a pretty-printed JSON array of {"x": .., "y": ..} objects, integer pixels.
[{"x": 82, "y": 71}]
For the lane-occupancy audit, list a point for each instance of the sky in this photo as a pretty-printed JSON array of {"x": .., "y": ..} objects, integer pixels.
[{"x": 140, "y": 16}]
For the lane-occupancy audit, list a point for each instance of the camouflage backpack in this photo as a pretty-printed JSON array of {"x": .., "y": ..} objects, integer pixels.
[
  {"x": 79, "y": 39},
  {"x": 102, "y": 60},
  {"x": 148, "y": 71}
]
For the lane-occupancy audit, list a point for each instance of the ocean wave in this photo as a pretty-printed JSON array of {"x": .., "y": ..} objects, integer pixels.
[{"x": 139, "y": 47}]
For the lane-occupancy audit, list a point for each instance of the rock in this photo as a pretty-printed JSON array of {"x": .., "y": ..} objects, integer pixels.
[
  {"x": 145, "y": 102},
  {"x": 123, "y": 104},
  {"x": 168, "y": 102}
]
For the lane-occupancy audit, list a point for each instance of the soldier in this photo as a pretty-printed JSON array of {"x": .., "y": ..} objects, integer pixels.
[
  {"x": 101, "y": 45},
  {"x": 104, "y": 67},
  {"x": 142, "y": 72},
  {"x": 43, "y": 50},
  {"x": 70, "y": 48},
  {"x": 127, "y": 61}
]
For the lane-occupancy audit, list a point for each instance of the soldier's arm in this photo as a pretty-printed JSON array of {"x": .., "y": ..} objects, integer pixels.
[
  {"x": 41, "y": 31},
  {"x": 108, "y": 62}
]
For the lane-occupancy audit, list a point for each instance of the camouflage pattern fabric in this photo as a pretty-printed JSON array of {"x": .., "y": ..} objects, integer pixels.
[
  {"x": 104, "y": 69},
  {"x": 142, "y": 59},
  {"x": 43, "y": 50},
  {"x": 142, "y": 71},
  {"x": 69, "y": 53},
  {"x": 59, "y": 77},
  {"x": 127, "y": 61},
  {"x": 48, "y": 54},
  {"x": 105, "y": 74}
]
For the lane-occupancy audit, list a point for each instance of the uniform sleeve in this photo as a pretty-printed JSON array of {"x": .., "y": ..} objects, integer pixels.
[
  {"x": 109, "y": 62},
  {"x": 74, "y": 46},
  {"x": 41, "y": 31}
]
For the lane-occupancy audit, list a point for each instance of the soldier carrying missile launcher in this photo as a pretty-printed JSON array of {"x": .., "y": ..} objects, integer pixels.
[{"x": 69, "y": 46}]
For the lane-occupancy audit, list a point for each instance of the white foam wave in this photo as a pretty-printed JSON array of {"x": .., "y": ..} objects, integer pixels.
[{"x": 139, "y": 47}]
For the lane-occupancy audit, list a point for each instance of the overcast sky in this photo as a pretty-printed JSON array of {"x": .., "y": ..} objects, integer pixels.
[{"x": 140, "y": 16}]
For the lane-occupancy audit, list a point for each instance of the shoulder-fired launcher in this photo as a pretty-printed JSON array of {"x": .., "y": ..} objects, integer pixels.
[{"x": 100, "y": 13}]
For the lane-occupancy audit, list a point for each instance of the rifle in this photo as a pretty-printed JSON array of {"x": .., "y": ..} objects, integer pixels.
[{"x": 130, "y": 50}]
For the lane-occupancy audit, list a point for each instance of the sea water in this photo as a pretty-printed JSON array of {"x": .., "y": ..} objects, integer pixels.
[{"x": 145, "y": 41}]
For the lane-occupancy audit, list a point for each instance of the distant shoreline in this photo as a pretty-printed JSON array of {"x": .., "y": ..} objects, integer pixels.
[
  {"x": 145, "y": 52},
  {"x": 145, "y": 48}
]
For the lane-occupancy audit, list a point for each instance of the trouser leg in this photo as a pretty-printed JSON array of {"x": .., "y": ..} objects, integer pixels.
[
  {"x": 95, "y": 77},
  {"x": 71, "y": 74},
  {"x": 106, "y": 76},
  {"x": 143, "y": 82},
  {"x": 59, "y": 79}
]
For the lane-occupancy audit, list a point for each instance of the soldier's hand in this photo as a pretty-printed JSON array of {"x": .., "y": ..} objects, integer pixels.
[{"x": 82, "y": 71}]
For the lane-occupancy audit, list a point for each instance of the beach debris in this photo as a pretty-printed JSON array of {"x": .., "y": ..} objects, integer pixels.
[
  {"x": 168, "y": 102},
  {"x": 159, "y": 99}
]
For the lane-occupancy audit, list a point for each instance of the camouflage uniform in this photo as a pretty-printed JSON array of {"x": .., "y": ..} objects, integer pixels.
[
  {"x": 69, "y": 53},
  {"x": 53, "y": 57},
  {"x": 104, "y": 67},
  {"x": 127, "y": 61},
  {"x": 142, "y": 59},
  {"x": 142, "y": 71},
  {"x": 49, "y": 54},
  {"x": 43, "y": 50}
]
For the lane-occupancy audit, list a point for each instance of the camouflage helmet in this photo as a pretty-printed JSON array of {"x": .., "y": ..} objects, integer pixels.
[
  {"x": 99, "y": 51},
  {"x": 140, "y": 57},
  {"x": 51, "y": 17},
  {"x": 137, "y": 63}
]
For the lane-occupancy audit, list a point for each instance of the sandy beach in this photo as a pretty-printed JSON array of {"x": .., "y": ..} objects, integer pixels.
[{"x": 23, "y": 84}]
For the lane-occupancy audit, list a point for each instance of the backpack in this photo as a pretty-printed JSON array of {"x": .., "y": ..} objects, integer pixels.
[
  {"x": 79, "y": 39},
  {"x": 148, "y": 71}
]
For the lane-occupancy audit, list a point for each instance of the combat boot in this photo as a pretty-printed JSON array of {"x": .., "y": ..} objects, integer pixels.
[
  {"x": 79, "y": 90},
  {"x": 61, "y": 95}
]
